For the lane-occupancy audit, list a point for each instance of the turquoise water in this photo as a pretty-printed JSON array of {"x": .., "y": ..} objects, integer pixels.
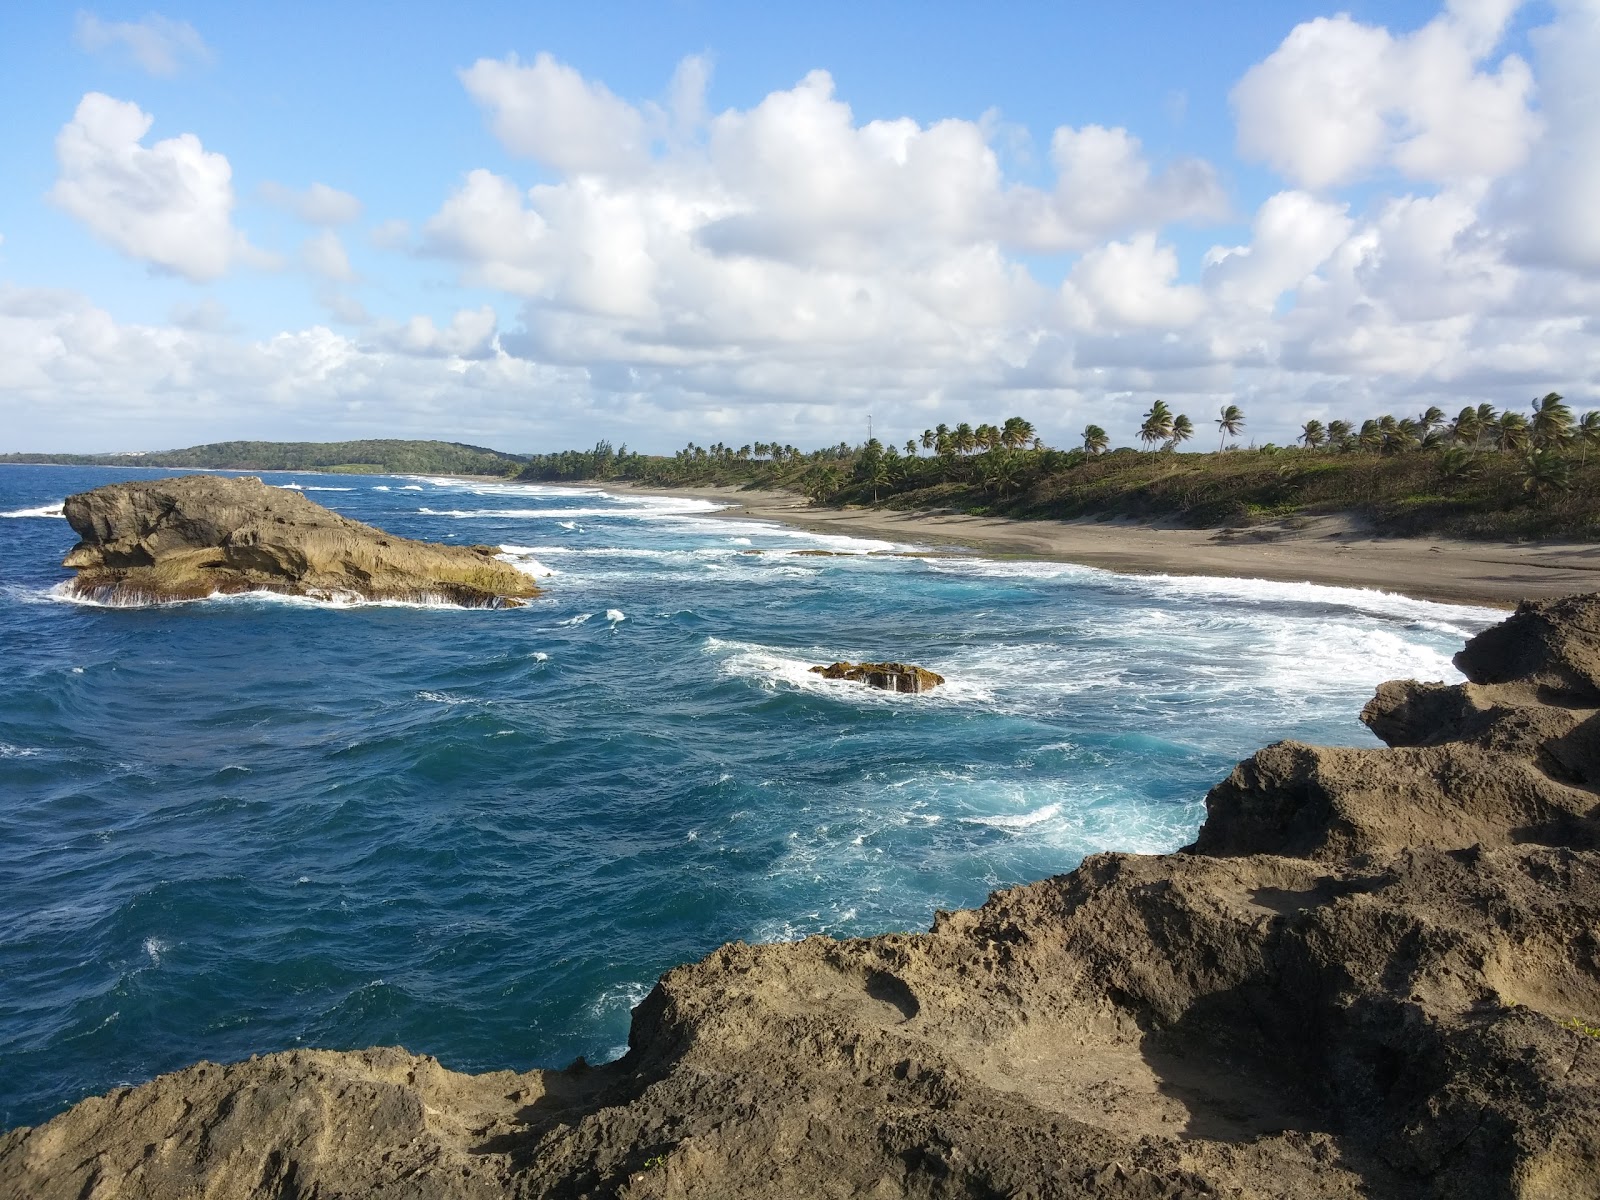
[{"x": 248, "y": 824}]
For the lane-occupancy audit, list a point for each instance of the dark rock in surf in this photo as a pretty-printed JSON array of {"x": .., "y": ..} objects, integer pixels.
[
  {"x": 888, "y": 676},
  {"x": 193, "y": 536}
]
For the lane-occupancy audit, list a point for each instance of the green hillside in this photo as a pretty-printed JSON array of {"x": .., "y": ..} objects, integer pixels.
[{"x": 380, "y": 456}]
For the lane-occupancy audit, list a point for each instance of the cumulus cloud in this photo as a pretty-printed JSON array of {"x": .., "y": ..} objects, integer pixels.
[
  {"x": 169, "y": 204},
  {"x": 469, "y": 335},
  {"x": 158, "y": 44},
  {"x": 1554, "y": 205},
  {"x": 1339, "y": 100},
  {"x": 682, "y": 272},
  {"x": 318, "y": 204},
  {"x": 548, "y": 111}
]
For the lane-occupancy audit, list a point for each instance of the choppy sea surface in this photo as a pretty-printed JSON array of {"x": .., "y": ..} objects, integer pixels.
[{"x": 251, "y": 824}]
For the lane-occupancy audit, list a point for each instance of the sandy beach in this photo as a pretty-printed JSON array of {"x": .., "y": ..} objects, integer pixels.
[{"x": 1329, "y": 549}]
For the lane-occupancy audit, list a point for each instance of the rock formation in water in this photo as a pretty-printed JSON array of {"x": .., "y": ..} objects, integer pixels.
[
  {"x": 889, "y": 676},
  {"x": 197, "y": 535},
  {"x": 1376, "y": 973}
]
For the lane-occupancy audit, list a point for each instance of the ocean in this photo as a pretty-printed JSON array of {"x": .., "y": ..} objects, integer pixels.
[{"x": 252, "y": 823}]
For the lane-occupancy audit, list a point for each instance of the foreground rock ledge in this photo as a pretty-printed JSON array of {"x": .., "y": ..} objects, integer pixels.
[
  {"x": 194, "y": 536},
  {"x": 1361, "y": 980}
]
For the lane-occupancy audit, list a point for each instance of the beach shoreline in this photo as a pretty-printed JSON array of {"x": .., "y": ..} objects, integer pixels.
[{"x": 1333, "y": 550}]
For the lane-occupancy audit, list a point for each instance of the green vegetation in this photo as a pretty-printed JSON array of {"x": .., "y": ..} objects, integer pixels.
[
  {"x": 1578, "y": 1026},
  {"x": 1484, "y": 474},
  {"x": 384, "y": 456}
]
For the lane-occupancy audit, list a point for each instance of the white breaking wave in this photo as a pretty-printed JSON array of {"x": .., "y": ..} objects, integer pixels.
[
  {"x": 1025, "y": 820},
  {"x": 314, "y": 488},
  {"x": 772, "y": 669},
  {"x": 43, "y": 510},
  {"x": 532, "y": 514},
  {"x": 521, "y": 557},
  {"x": 413, "y": 487},
  {"x": 337, "y": 601},
  {"x": 380, "y": 487},
  {"x": 577, "y": 620},
  {"x": 289, "y": 487},
  {"x": 9, "y": 751},
  {"x": 615, "y": 614}
]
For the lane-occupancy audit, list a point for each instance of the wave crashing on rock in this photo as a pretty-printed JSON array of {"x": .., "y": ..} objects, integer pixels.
[{"x": 1375, "y": 973}]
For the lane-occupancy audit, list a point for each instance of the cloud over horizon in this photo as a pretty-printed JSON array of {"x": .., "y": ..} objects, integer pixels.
[{"x": 659, "y": 269}]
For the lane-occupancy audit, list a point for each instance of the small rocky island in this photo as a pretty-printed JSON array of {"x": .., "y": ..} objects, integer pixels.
[
  {"x": 185, "y": 538},
  {"x": 886, "y": 676},
  {"x": 1375, "y": 974}
]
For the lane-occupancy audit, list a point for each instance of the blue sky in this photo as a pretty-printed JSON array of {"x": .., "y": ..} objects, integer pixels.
[{"x": 1250, "y": 211}]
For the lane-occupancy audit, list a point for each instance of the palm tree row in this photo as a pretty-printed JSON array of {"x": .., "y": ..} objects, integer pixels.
[
  {"x": 1550, "y": 428},
  {"x": 965, "y": 439}
]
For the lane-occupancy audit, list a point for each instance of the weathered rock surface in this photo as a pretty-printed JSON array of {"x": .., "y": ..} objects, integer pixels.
[
  {"x": 889, "y": 676},
  {"x": 196, "y": 535},
  {"x": 1358, "y": 982}
]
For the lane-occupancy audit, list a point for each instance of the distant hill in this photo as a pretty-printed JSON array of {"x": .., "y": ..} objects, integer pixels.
[{"x": 381, "y": 456}]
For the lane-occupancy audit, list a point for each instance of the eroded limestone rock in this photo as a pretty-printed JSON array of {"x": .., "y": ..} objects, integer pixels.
[{"x": 198, "y": 535}]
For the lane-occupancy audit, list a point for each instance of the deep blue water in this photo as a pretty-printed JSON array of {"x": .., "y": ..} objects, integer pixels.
[{"x": 248, "y": 824}]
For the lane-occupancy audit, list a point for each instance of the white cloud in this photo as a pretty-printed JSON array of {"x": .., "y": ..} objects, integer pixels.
[
  {"x": 324, "y": 256},
  {"x": 1339, "y": 100},
  {"x": 470, "y": 335},
  {"x": 1555, "y": 205},
  {"x": 1292, "y": 235},
  {"x": 318, "y": 204},
  {"x": 158, "y": 44},
  {"x": 1132, "y": 285},
  {"x": 169, "y": 204},
  {"x": 549, "y": 112},
  {"x": 787, "y": 266}
]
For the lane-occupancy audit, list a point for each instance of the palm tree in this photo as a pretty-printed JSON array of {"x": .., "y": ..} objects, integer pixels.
[
  {"x": 1095, "y": 440},
  {"x": 1370, "y": 438},
  {"x": 1431, "y": 419},
  {"x": 1467, "y": 428},
  {"x": 1313, "y": 434},
  {"x": 930, "y": 439},
  {"x": 1157, "y": 425},
  {"x": 1016, "y": 433},
  {"x": 1587, "y": 433},
  {"x": 990, "y": 436},
  {"x": 1339, "y": 435},
  {"x": 964, "y": 439},
  {"x": 1545, "y": 470},
  {"x": 1182, "y": 431},
  {"x": 1458, "y": 463},
  {"x": 1229, "y": 423},
  {"x": 1511, "y": 432},
  {"x": 1487, "y": 416},
  {"x": 1552, "y": 421}
]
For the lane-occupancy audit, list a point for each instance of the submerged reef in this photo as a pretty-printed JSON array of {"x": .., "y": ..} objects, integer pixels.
[
  {"x": 153, "y": 541},
  {"x": 1375, "y": 973}
]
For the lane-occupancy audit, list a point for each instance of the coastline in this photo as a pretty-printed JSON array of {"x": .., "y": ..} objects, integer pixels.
[{"x": 1333, "y": 550}]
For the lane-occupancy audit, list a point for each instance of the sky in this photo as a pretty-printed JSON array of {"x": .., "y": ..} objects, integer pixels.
[{"x": 533, "y": 226}]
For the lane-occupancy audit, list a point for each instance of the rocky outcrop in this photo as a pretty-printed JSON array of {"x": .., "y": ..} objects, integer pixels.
[
  {"x": 888, "y": 676},
  {"x": 1372, "y": 975},
  {"x": 199, "y": 535}
]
